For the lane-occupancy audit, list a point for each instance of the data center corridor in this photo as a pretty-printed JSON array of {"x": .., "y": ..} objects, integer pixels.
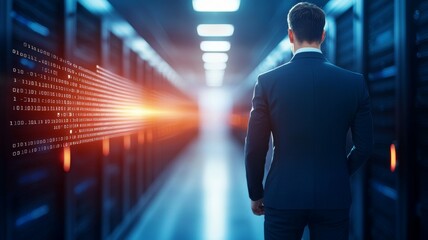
[
  {"x": 124, "y": 119},
  {"x": 204, "y": 193}
]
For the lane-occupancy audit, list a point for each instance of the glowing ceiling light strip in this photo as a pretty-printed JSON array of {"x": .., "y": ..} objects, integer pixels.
[
  {"x": 215, "y": 46},
  {"x": 97, "y": 6},
  {"x": 215, "y": 57},
  {"x": 215, "y": 30},
  {"x": 216, "y": 5},
  {"x": 122, "y": 29}
]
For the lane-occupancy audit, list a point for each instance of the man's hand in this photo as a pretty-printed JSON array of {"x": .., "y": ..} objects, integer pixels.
[{"x": 258, "y": 207}]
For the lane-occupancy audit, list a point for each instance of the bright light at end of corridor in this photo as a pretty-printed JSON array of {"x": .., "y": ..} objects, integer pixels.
[
  {"x": 215, "y": 30},
  {"x": 214, "y": 78},
  {"x": 215, "y": 106},
  {"x": 216, "y": 6}
]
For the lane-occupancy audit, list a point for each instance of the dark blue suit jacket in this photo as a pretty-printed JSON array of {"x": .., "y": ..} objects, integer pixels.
[{"x": 308, "y": 105}]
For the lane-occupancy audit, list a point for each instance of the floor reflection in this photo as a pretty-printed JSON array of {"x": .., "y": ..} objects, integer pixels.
[
  {"x": 204, "y": 197},
  {"x": 216, "y": 182}
]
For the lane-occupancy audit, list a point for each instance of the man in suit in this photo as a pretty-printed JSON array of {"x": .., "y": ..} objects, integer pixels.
[{"x": 308, "y": 105}]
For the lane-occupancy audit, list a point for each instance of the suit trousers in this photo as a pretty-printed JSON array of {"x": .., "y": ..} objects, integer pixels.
[{"x": 288, "y": 224}]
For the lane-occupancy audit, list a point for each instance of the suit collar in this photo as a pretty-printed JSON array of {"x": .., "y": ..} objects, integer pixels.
[
  {"x": 303, "y": 55},
  {"x": 307, "y": 49}
]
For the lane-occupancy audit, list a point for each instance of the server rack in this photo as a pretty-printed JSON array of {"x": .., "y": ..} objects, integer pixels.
[
  {"x": 84, "y": 181},
  {"x": 36, "y": 202},
  {"x": 384, "y": 54},
  {"x": 141, "y": 74},
  {"x": 134, "y": 157},
  {"x": 134, "y": 66},
  {"x": 116, "y": 47},
  {"x": 112, "y": 182},
  {"x": 345, "y": 44},
  {"x": 113, "y": 157},
  {"x": 148, "y": 172},
  {"x": 87, "y": 51},
  {"x": 128, "y": 157},
  {"x": 39, "y": 199},
  {"x": 34, "y": 198},
  {"x": 83, "y": 195},
  {"x": 345, "y": 56},
  {"x": 420, "y": 15},
  {"x": 130, "y": 147},
  {"x": 156, "y": 160},
  {"x": 133, "y": 170},
  {"x": 5, "y": 30},
  {"x": 382, "y": 194}
]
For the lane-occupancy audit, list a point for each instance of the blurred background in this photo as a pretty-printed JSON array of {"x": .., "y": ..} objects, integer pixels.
[{"x": 126, "y": 119}]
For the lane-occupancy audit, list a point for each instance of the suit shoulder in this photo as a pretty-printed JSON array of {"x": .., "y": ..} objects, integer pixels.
[
  {"x": 347, "y": 72},
  {"x": 272, "y": 72}
]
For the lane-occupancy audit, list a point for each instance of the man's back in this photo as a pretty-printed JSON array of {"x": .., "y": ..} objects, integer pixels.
[{"x": 310, "y": 105}]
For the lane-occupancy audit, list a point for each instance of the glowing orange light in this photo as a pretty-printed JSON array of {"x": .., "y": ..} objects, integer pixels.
[
  {"x": 127, "y": 142},
  {"x": 393, "y": 157},
  {"x": 106, "y": 147},
  {"x": 67, "y": 159},
  {"x": 132, "y": 112},
  {"x": 141, "y": 138},
  {"x": 239, "y": 120}
]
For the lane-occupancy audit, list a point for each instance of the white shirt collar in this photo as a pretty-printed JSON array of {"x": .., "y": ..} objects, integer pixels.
[{"x": 307, "y": 49}]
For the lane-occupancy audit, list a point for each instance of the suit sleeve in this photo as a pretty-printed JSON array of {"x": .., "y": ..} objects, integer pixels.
[
  {"x": 257, "y": 143},
  {"x": 362, "y": 132}
]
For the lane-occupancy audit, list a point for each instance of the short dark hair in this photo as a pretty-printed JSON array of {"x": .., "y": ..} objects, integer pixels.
[{"x": 307, "y": 22}]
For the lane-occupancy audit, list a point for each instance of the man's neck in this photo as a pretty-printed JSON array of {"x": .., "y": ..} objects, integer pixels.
[{"x": 297, "y": 45}]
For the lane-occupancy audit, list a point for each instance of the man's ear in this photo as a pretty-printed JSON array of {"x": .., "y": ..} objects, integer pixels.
[
  {"x": 322, "y": 37},
  {"x": 291, "y": 35}
]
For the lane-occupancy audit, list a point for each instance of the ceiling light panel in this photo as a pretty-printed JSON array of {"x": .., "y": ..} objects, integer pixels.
[
  {"x": 215, "y": 46},
  {"x": 215, "y": 30},
  {"x": 215, "y": 57},
  {"x": 216, "y": 5}
]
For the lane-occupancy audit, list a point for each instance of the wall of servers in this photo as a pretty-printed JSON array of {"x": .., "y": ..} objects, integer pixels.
[
  {"x": 90, "y": 170},
  {"x": 387, "y": 41}
]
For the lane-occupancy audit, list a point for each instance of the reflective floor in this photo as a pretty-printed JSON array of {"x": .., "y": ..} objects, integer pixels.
[{"x": 204, "y": 196}]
